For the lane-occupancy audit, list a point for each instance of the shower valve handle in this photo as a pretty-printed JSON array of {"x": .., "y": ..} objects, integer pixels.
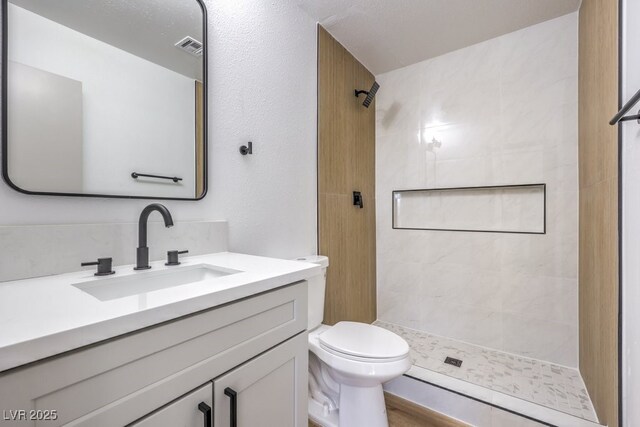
[{"x": 357, "y": 199}]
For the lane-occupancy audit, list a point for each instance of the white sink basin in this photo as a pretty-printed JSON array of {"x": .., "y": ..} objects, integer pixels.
[{"x": 107, "y": 289}]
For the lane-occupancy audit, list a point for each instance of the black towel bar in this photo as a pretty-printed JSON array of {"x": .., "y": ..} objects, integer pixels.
[
  {"x": 136, "y": 175},
  {"x": 625, "y": 108}
]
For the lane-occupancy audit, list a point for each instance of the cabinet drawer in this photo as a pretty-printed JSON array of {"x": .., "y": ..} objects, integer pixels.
[
  {"x": 115, "y": 383},
  {"x": 188, "y": 411}
]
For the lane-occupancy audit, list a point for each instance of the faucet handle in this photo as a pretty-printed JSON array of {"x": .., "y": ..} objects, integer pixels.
[
  {"x": 173, "y": 257},
  {"x": 104, "y": 266}
]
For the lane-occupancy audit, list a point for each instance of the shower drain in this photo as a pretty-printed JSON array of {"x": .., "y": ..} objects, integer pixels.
[{"x": 452, "y": 361}]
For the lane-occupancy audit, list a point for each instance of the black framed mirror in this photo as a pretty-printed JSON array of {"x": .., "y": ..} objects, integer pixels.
[{"x": 105, "y": 98}]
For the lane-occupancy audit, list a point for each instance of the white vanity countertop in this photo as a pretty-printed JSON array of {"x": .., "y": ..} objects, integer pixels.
[{"x": 45, "y": 316}]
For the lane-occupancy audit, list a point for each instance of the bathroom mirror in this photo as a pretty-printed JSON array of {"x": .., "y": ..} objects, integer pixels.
[{"x": 105, "y": 98}]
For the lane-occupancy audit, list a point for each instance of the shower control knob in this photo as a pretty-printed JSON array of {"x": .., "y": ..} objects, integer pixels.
[{"x": 357, "y": 199}]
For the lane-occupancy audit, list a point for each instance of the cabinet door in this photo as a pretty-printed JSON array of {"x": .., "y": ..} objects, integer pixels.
[
  {"x": 267, "y": 391},
  {"x": 192, "y": 410}
]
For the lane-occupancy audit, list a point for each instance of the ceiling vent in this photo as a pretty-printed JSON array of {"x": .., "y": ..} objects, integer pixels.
[{"x": 190, "y": 45}]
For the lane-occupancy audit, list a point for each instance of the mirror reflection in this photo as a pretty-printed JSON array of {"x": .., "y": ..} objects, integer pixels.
[{"x": 106, "y": 98}]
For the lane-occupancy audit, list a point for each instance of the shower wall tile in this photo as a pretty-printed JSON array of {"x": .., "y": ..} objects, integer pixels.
[{"x": 500, "y": 112}]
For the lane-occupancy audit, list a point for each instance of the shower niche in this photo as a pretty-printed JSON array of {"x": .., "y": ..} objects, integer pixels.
[{"x": 490, "y": 209}]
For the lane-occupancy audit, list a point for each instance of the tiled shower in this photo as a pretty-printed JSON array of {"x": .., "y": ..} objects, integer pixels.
[{"x": 503, "y": 284}]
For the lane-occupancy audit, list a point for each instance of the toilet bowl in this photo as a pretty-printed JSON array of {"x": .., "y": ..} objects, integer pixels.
[{"x": 348, "y": 363}]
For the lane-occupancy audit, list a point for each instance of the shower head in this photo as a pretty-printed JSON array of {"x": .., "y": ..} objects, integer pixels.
[{"x": 371, "y": 93}]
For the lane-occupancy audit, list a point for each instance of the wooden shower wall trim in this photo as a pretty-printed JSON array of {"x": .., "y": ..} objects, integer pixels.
[
  {"x": 346, "y": 163},
  {"x": 200, "y": 164},
  {"x": 598, "y": 183}
]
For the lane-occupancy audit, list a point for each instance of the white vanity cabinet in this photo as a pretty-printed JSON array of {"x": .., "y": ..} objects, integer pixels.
[
  {"x": 256, "y": 347},
  {"x": 266, "y": 390},
  {"x": 193, "y": 410}
]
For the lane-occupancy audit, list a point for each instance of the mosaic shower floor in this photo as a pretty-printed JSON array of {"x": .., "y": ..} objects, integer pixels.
[{"x": 543, "y": 383}]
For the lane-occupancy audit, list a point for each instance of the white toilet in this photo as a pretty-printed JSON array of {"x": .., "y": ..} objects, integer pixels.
[{"x": 348, "y": 363}]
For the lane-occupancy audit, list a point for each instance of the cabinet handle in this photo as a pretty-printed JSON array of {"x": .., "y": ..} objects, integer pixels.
[
  {"x": 206, "y": 410},
  {"x": 233, "y": 402}
]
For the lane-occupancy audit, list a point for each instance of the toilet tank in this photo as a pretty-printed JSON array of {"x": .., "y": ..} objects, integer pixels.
[{"x": 317, "y": 285}]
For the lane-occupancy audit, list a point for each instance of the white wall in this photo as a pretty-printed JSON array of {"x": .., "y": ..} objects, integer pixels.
[
  {"x": 630, "y": 214},
  {"x": 137, "y": 115},
  {"x": 505, "y": 112},
  {"x": 46, "y": 153},
  {"x": 262, "y": 87}
]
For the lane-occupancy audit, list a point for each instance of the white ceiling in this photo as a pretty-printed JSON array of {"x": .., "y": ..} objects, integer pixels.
[
  {"x": 146, "y": 28},
  {"x": 389, "y": 34}
]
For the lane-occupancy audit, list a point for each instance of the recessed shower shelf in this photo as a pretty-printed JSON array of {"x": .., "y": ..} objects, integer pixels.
[{"x": 517, "y": 209}]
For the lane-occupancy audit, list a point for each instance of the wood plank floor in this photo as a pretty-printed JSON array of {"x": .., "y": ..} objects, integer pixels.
[{"x": 402, "y": 413}]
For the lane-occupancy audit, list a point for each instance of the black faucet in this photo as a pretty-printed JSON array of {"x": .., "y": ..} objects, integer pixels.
[{"x": 142, "y": 253}]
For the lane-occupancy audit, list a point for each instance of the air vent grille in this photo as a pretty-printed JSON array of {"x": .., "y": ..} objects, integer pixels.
[{"x": 190, "y": 45}]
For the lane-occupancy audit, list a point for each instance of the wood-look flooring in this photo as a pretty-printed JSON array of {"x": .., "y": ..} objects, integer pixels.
[{"x": 402, "y": 413}]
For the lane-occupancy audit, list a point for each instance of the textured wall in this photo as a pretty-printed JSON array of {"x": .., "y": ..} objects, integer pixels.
[
  {"x": 503, "y": 112},
  {"x": 262, "y": 88}
]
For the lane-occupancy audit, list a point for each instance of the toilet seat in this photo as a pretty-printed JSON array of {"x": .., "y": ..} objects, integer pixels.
[
  {"x": 350, "y": 370},
  {"x": 363, "y": 342}
]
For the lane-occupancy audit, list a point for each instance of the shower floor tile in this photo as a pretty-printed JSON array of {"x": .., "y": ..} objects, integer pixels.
[{"x": 544, "y": 383}]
